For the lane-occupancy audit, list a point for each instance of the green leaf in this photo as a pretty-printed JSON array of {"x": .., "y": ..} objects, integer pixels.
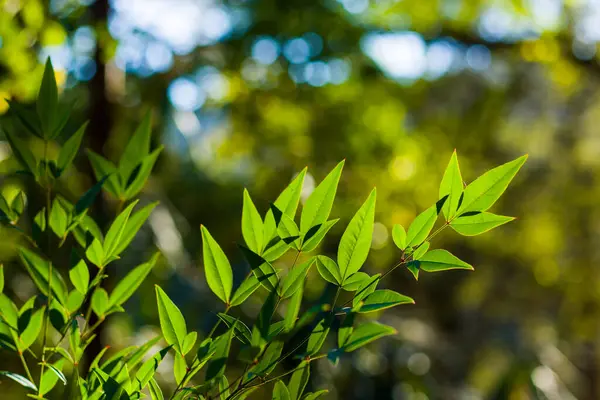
[
  {"x": 20, "y": 150},
  {"x": 329, "y": 270},
  {"x": 241, "y": 330},
  {"x": 179, "y": 368},
  {"x": 88, "y": 198},
  {"x": 315, "y": 395},
  {"x": 74, "y": 301},
  {"x": 104, "y": 168},
  {"x": 263, "y": 321},
  {"x": 39, "y": 270},
  {"x": 354, "y": 281},
  {"x": 293, "y": 308},
  {"x": 141, "y": 174},
  {"x": 47, "y": 101},
  {"x": 220, "y": 347},
  {"x": 21, "y": 380},
  {"x": 137, "y": 148},
  {"x": 262, "y": 269},
  {"x": 286, "y": 228},
  {"x": 30, "y": 334},
  {"x": 439, "y": 260},
  {"x": 280, "y": 391},
  {"x": 295, "y": 279},
  {"x": 224, "y": 388},
  {"x": 312, "y": 239},
  {"x": 59, "y": 219},
  {"x": 146, "y": 371},
  {"x": 80, "y": 277},
  {"x": 382, "y": 299},
  {"x": 346, "y": 328},
  {"x": 268, "y": 361},
  {"x": 95, "y": 253},
  {"x": 216, "y": 267},
  {"x": 133, "y": 225},
  {"x": 172, "y": 323},
  {"x": 318, "y": 335},
  {"x": 130, "y": 283},
  {"x": 399, "y": 236},
  {"x": 299, "y": 380},
  {"x": 27, "y": 116},
  {"x": 287, "y": 202},
  {"x": 451, "y": 186},
  {"x": 483, "y": 192},
  {"x": 1, "y": 278},
  {"x": 356, "y": 240},
  {"x": 245, "y": 290},
  {"x": 51, "y": 377},
  {"x": 155, "y": 391},
  {"x": 318, "y": 205},
  {"x": 100, "y": 302},
  {"x": 252, "y": 225},
  {"x": 366, "y": 288},
  {"x": 70, "y": 148},
  {"x": 472, "y": 225},
  {"x": 113, "y": 236},
  {"x": 421, "y": 250},
  {"x": 421, "y": 226},
  {"x": 367, "y": 333}
]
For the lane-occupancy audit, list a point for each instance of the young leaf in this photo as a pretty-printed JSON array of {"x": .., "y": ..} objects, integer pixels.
[
  {"x": 172, "y": 323},
  {"x": 51, "y": 377},
  {"x": 440, "y": 260},
  {"x": 74, "y": 301},
  {"x": 135, "y": 185},
  {"x": 39, "y": 270},
  {"x": 245, "y": 290},
  {"x": 483, "y": 192},
  {"x": 421, "y": 226},
  {"x": 113, "y": 236},
  {"x": 100, "y": 302},
  {"x": 312, "y": 239},
  {"x": 216, "y": 267},
  {"x": 286, "y": 228},
  {"x": 252, "y": 225},
  {"x": 179, "y": 368},
  {"x": 133, "y": 225},
  {"x": 262, "y": 269},
  {"x": 295, "y": 279},
  {"x": 356, "y": 240},
  {"x": 137, "y": 148},
  {"x": 399, "y": 236},
  {"x": 451, "y": 186},
  {"x": 472, "y": 225},
  {"x": 354, "y": 281},
  {"x": 329, "y": 270},
  {"x": 366, "y": 333},
  {"x": 421, "y": 250},
  {"x": 382, "y": 299},
  {"x": 280, "y": 391},
  {"x": 47, "y": 101},
  {"x": 59, "y": 219},
  {"x": 318, "y": 205},
  {"x": 95, "y": 253},
  {"x": 129, "y": 284},
  {"x": 21, "y": 380},
  {"x": 80, "y": 277},
  {"x": 299, "y": 380},
  {"x": 104, "y": 168},
  {"x": 70, "y": 148},
  {"x": 32, "y": 331},
  {"x": 220, "y": 347}
]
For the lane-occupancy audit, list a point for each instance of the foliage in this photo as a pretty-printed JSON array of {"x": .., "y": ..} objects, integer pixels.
[{"x": 65, "y": 307}]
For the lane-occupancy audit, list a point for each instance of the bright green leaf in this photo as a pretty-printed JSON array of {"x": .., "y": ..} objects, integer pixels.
[
  {"x": 59, "y": 219},
  {"x": 129, "y": 284},
  {"x": 295, "y": 279},
  {"x": 252, "y": 225},
  {"x": 382, "y": 299},
  {"x": 318, "y": 205},
  {"x": 155, "y": 391},
  {"x": 313, "y": 238},
  {"x": 32, "y": 331},
  {"x": 141, "y": 174},
  {"x": 472, "y": 225},
  {"x": 39, "y": 270},
  {"x": 241, "y": 330},
  {"x": 440, "y": 260},
  {"x": 51, "y": 377},
  {"x": 95, "y": 253},
  {"x": 421, "y": 226},
  {"x": 298, "y": 380},
  {"x": 315, "y": 395},
  {"x": 21, "y": 380},
  {"x": 367, "y": 333},
  {"x": 421, "y": 250},
  {"x": 80, "y": 276},
  {"x": 280, "y": 391},
  {"x": 172, "y": 323},
  {"x": 134, "y": 224},
  {"x": 399, "y": 236},
  {"x": 353, "y": 282},
  {"x": 329, "y": 270},
  {"x": 248, "y": 286},
  {"x": 100, "y": 302},
  {"x": 451, "y": 186},
  {"x": 216, "y": 267},
  {"x": 367, "y": 287},
  {"x": 113, "y": 236},
  {"x": 104, "y": 168},
  {"x": 293, "y": 308},
  {"x": 262, "y": 269}
]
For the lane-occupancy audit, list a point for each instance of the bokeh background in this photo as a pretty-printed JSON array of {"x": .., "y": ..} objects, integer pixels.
[{"x": 246, "y": 93}]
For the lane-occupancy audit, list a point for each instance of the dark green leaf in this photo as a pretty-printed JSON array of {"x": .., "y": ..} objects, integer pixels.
[
  {"x": 224, "y": 388},
  {"x": 356, "y": 240},
  {"x": 104, "y": 168},
  {"x": 315, "y": 395},
  {"x": 382, "y": 299},
  {"x": 145, "y": 168},
  {"x": 88, "y": 197},
  {"x": 137, "y": 148},
  {"x": 47, "y": 101},
  {"x": 318, "y": 335},
  {"x": 21, "y": 152},
  {"x": 59, "y": 219},
  {"x": 27, "y": 116},
  {"x": 129, "y": 284},
  {"x": 299, "y": 380},
  {"x": 220, "y": 347},
  {"x": 318, "y": 205},
  {"x": 216, "y": 267},
  {"x": 69, "y": 150},
  {"x": 293, "y": 308}
]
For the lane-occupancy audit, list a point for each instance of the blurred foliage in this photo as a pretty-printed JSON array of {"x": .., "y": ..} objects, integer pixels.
[{"x": 525, "y": 326}]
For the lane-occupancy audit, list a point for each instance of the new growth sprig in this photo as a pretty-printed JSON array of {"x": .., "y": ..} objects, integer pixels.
[{"x": 51, "y": 331}]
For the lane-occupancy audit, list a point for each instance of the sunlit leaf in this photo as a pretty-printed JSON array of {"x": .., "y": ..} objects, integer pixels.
[
  {"x": 130, "y": 283},
  {"x": 134, "y": 224},
  {"x": 483, "y": 192},
  {"x": 135, "y": 185},
  {"x": 241, "y": 330},
  {"x": 399, "y": 236},
  {"x": 32, "y": 331},
  {"x": 312, "y": 239},
  {"x": 367, "y": 287},
  {"x": 51, "y": 377},
  {"x": 440, "y": 260},
  {"x": 356, "y": 240},
  {"x": 21, "y": 380},
  {"x": 421, "y": 226},
  {"x": 298, "y": 380},
  {"x": 59, "y": 219},
  {"x": 252, "y": 225},
  {"x": 293, "y": 309},
  {"x": 216, "y": 267},
  {"x": 262, "y": 269},
  {"x": 382, "y": 299},
  {"x": 472, "y": 225},
  {"x": 318, "y": 205},
  {"x": 353, "y": 282},
  {"x": 113, "y": 236},
  {"x": 148, "y": 368},
  {"x": 315, "y": 395},
  {"x": 295, "y": 279},
  {"x": 280, "y": 391},
  {"x": 421, "y": 250},
  {"x": 39, "y": 270},
  {"x": 100, "y": 301},
  {"x": 451, "y": 186},
  {"x": 155, "y": 390},
  {"x": 245, "y": 290},
  {"x": 172, "y": 323},
  {"x": 329, "y": 270},
  {"x": 367, "y": 333}
]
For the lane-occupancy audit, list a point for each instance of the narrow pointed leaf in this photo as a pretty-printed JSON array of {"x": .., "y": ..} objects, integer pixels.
[
  {"x": 134, "y": 224},
  {"x": 367, "y": 333},
  {"x": 135, "y": 185},
  {"x": 280, "y": 391},
  {"x": 353, "y": 282},
  {"x": 39, "y": 270},
  {"x": 47, "y": 101},
  {"x": 440, "y": 260},
  {"x": 295, "y": 279},
  {"x": 87, "y": 199},
  {"x": 312, "y": 240},
  {"x": 245, "y": 290},
  {"x": 137, "y": 147},
  {"x": 80, "y": 276},
  {"x": 21, "y": 152},
  {"x": 21, "y": 380},
  {"x": 477, "y": 224},
  {"x": 367, "y": 287},
  {"x": 252, "y": 225},
  {"x": 218, "y": 362},
  {"x": 172, "y": 323},
  {"x": 241, "y": 330},
  {"x": 382, "y": 299},
  {"x": 356, "y": 240},
  {"x": 104, "y": 168},
  {"x": 130, "y": 283},
  {"x": 421, "y": 250},
  {"x": 51, "y": 377},
  {"x": 59, "y": 219},
  {"x": 420, "y": 228},
  {"x": 1, "y": 278},
  {"x": 315, "y": 395},
  {"x": 31, "y": 333},
  {"x": 262, "y": 269},
  {"x": 216, "y": 267},
  {"x": 318, "y": 336},
  {"x": 70, "y": 148},
  {"x": 155, "y": 390},
  {"x": 451, "y": 186},
  {"x": 224, "y": 388},
  {"x": 299, "y": 380},
  {"x": 329, "y": 270},
  {"x": 113, "y": 236},
  {"x": 483, "y": 192},
  {"x": 318, "y": 205},
  {"x": 148, "y": 368},
  {"x": 293, "y": 309}
]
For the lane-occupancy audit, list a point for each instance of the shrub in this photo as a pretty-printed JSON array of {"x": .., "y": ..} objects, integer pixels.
[{"x": 264, "y": 345}]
